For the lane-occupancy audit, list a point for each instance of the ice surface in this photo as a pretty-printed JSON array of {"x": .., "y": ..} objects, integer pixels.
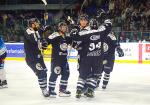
[{"x": 129, "y": 85}]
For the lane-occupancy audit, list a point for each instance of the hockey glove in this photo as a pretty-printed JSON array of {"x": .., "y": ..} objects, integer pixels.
[
  {"x": 102, "y": 16},
  {"x": 74, "y": 32},
  {"x": 44, "y": 44},
  {"x": 120, "y": 52}
]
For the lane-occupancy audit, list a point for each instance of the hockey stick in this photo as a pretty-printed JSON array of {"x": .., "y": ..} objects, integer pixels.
[
  {"x": 118, "y": 39},
  {"x": 71, "y": 21},
  {"x": 82, "y": 5},
  {"x": 45, "y": 2},
  {"x": 45, "y": 14}
]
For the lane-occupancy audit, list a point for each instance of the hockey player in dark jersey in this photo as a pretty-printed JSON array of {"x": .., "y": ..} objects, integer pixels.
[
  {"x": 83, "y": 22},
  {"x": 3, "y": 53},
  {"x": 59, "y": 63},
  {"x": 89, "y": 66},
  {"x": 110, "y": 45},
  {"x": 33, "y": 43}
]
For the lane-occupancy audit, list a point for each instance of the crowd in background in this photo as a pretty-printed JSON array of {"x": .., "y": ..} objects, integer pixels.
[{"x": 131, "y": 18}]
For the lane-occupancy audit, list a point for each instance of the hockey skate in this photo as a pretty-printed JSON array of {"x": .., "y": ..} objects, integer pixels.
[
  {"x": 104, "y": 87},
  {"x": 64, "y": 93},
  {"x": 85, "y": 91},
  {"x": 97, "y": 85},
  {"x": 45, "y": 93},
  {"x": 52, "y": 94},
  {"x": 78, "y": 93},
  {"x": 90, "y": 93},
  {"x": 3, "y": 84}
]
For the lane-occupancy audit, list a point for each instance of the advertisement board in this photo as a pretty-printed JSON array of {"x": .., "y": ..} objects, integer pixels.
[
  {"x": 146, "y": 53},
  {"x": 133, "y": 52},
  {"x": 15, "y": 50}
]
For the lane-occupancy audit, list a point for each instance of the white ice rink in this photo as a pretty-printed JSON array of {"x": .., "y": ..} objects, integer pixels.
[{"x": 129, "y": 85}]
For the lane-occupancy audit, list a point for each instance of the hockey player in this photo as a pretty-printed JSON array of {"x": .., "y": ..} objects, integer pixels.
[
  {"x": 89, "y": 69},
  {"x": 83, "y": 22},
  {"x": 33, "y": 43},
  {"x": 110, "y": 45},
  {"x": 59, "y": 63},
  {"x": 3, "y": 53}
]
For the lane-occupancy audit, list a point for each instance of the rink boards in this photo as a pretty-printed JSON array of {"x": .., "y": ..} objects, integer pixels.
[{"x": 134, "y": 53}]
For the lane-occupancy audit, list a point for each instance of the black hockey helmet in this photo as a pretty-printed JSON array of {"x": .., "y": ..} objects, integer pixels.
[
  {"x": 93, "y": 23},
  {"x": 83, "y": 17},
  {"x": 32, "y": 20},
  {"x": 61, "y": 24}
]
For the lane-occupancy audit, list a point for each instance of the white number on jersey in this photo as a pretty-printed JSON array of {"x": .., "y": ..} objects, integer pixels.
[{"x": 94, "y": 46}]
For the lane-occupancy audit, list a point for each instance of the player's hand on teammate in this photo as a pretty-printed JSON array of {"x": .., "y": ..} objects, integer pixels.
[{"x": 120, "y": 52}]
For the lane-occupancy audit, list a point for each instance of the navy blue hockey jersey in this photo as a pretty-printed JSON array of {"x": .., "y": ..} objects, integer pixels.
[
  {"x": 32, "y": 44},
  {"x": 59, "y": 46},
  {"x": 91, "y": 40},
  {"x": 110, "y": 43}
]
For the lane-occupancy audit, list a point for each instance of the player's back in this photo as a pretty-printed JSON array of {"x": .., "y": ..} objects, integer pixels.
[
  {"x": 91, "y": 40},
  {"x": 91, "y": 46}
]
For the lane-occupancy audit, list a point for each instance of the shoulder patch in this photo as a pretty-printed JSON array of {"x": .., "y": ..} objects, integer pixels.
[
  {"x": 108, "y": 21},
  {"x": 29, "y": 31},
  {"x": 102, "y": 28},
  {"x": 112, "y": 37}
]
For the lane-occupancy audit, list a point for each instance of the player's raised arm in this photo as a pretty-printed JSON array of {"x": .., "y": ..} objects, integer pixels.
[{"x": 104, "y": 29}]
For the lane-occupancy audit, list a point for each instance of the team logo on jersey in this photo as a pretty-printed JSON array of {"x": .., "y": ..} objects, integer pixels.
[
  {"x": 105, "y": 47},
  {"x": 104, "y": 62},
  {"x": 39, "y": 67},
  {"x": 95, "y": 37},
  {"x": 63, "y": 46},
  {"x": 57, "y": 70}
]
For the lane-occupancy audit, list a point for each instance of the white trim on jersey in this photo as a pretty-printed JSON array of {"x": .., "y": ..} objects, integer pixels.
[
  {"x": 53, "y": 35},
  {"x": 29, "y": 31}
]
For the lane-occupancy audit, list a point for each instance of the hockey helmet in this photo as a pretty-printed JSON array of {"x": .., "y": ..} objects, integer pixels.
[
  {"x": 83, "y": 17},
  {"x": 61, "y": 24},
  {"x": 32, "y": 20}
]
